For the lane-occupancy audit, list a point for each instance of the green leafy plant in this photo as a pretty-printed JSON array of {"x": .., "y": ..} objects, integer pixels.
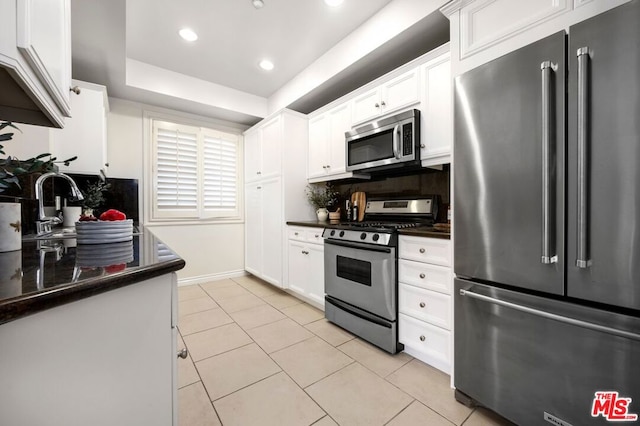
[
  {"x": 94, "y": 194},
  {"x": 322, "y": 196},
  {"x": 11, "y": 168}
]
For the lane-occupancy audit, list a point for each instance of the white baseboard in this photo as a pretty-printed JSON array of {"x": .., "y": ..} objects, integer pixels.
[{"x": 211, "y": 277}]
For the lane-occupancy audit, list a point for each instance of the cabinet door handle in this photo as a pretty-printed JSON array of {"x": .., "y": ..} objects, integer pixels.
[
  {"x": 421, "y": 250},
  {"x": 328, "y": 166},
  {"x": 296, "y": 234},
  {"x": 422, "y": 304},
  {"x": 383, "y": 104},
  {"x": 259, "y": 187},
  {"x": 422, "y": 338},
  {"x": 183, "y": 353},
  {"x": 377, "y": 105},
  {"x": 75, "y": 89},
  {"x": 422, "y": 145},
  {"x": 422, "y": 275},
  {"x": 324, "y": 167},
  {"x": 317, "y": 235}
]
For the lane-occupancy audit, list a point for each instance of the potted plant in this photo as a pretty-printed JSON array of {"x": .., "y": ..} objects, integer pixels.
[
  {"x": 322, "y": 198},
  {"x": 12, "y": 170},
  {"x": 94, "y": 196}
]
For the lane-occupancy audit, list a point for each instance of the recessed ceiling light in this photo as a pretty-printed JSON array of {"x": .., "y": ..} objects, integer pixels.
[
  {"x": 188, "y": 34},
  {"x": 333, "y": 3},
  {"x": 257, "y": 3},
  {"x": 266, "y": 65}
]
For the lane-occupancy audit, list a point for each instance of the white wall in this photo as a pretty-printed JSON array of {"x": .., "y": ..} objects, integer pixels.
[{"x": 211, "y": 251}]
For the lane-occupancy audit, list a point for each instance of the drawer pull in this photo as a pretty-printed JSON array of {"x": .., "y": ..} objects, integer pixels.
[
  {"x": 422, "y": 276},
  {"x": 317, "y": 235},
  {"x": 421, "y": 250},
  {"x": 422, "y": 304},
  {"x": 183, "y": 353},
  {"x": 422, "y": 338},
  {"x": 296, "y": 234}
]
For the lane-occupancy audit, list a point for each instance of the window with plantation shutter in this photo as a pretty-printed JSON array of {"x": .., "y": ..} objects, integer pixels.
[{"x": 195, "y": 172}]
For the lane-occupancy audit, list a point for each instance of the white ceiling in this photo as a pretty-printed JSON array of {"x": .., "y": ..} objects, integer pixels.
[
  {"x": 234, "y": 37},
  {"x": 133, "y": 47}
]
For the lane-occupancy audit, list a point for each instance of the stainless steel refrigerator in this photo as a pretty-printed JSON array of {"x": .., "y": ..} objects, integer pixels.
[{"x": 547, "y": 227}]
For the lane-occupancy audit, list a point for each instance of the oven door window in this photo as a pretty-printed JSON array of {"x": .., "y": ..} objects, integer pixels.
[
  {"x": 378, "y": 146},
  {"x": 355, "y": 270}
]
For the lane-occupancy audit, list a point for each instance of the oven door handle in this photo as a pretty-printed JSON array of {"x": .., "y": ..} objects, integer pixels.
[{"x": 358, "y": 246}]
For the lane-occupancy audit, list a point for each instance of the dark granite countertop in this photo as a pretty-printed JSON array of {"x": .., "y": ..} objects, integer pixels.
[
  {"x": 423, "y": 231},
  {"x": 426, "y": 231},
  {"x": 50, "y": 273},
  {"x": 312, "y": 223}
]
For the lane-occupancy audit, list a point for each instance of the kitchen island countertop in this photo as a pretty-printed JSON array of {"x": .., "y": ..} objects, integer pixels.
[
  {"x": 422, "y": 231},
  {"x": 51, "y": 273}
]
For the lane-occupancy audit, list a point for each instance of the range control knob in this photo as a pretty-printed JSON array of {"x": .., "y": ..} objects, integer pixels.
[
  {"x": 363, "y": 235},
  {"x": 376, "y": 237},
  {"x": 333, "y": 233},
  {"x": 342, "y": 233}
]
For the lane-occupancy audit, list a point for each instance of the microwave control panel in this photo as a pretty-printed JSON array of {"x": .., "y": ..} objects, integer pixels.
[{"x": 407, "y": 139}]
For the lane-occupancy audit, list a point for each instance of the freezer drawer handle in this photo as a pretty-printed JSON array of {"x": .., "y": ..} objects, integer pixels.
[
  {"x": 583, "y": 260},
  {"x": 548, "y": 171},
  {"x": 548, "y": 315}
]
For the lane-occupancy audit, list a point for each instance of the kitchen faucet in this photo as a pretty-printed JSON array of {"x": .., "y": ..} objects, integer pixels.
[{"x": 44, "y": 223}]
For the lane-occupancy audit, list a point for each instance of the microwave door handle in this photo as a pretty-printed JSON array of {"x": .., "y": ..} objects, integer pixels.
[{"x": 396, "y": 141}]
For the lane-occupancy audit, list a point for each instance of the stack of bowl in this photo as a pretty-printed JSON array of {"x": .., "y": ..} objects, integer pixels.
[{"x": 104, "y": 232}]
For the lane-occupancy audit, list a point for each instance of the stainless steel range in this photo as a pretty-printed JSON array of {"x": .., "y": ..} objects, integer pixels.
[{"x": 361, "y": 268}]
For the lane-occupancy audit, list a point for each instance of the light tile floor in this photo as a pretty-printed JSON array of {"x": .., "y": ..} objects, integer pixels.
[{"x": 259, "y": 356}]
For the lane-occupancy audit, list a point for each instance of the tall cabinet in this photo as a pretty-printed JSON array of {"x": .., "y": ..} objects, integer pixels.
[{"x": 275, "y": 179}]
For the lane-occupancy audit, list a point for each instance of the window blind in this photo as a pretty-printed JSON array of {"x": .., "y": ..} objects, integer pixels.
[
  {"x": 220, "y": 171},
  {"x": 196, "y": 172}
]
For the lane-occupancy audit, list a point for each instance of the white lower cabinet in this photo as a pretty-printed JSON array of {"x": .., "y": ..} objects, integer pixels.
[
  {"x": 108, "y": 359},
  {"x": 306, "y": 263},
  {"x": 424, "y": 300}
]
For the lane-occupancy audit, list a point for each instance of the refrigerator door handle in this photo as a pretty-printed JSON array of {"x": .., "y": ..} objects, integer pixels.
[
  {"x": 555, "y": 317},
  {"x": 548, "y": 235},
  {"x": 583, "y": 260}
]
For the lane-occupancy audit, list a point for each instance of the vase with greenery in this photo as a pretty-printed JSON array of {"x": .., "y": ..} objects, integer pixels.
[
  {"x": 322, "y": 198},
  {"x": 93, "y": 196}
]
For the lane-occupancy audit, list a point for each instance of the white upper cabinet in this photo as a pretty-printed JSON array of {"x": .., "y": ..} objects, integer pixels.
[
  {"x": 85, "y": 133},
  {"x": 263, "y": 150},
  {"x": 252, "y": 156},
  {"x": 327, "y": 154},
  {"x": 436, "y": 137},
  {"x": 483, "y": 30},
  {"x": 319, "y": 145},
  {"x": 271, "y": 135},
  {"x": 391, "y": 96},
  {"x": 35, "y": 61}
]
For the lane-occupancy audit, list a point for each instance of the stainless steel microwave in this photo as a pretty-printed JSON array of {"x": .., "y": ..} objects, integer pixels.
[{"x": 384, "y": 144}]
